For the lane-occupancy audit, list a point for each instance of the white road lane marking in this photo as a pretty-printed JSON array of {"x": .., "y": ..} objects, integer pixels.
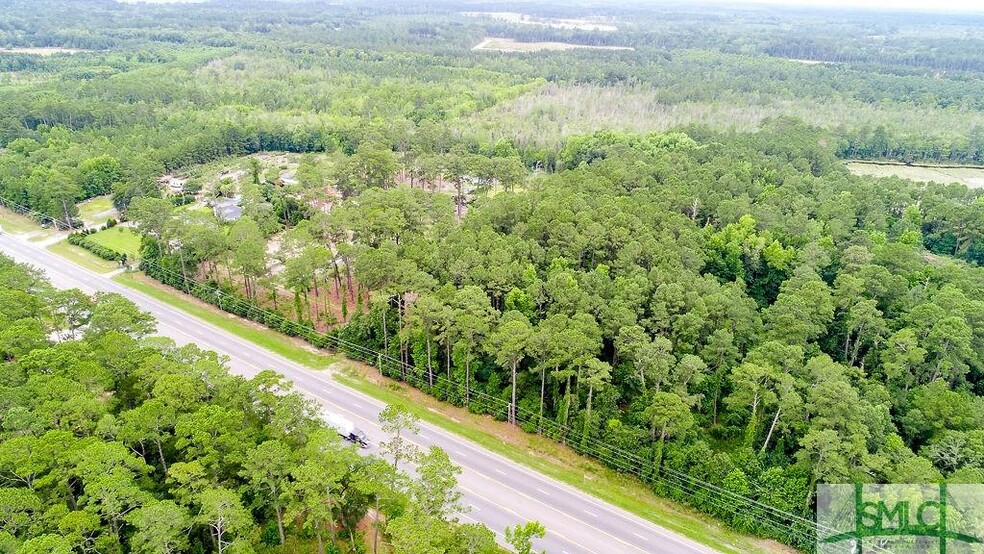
[{"x": 98, "y": 281}]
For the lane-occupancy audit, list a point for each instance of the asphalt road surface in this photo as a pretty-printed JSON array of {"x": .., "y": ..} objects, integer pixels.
[{"x": 496, "y": 491}]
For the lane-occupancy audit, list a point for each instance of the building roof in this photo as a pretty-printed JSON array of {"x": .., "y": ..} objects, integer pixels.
[{"x": 227, "y": 211}]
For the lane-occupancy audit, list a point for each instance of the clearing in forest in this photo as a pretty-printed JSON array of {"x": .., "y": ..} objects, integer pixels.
[
  {"x": 40, "y": 51},
  {"x": 523, "y": 19},
  {"x": 512, "y": 45},
  {"x": 96, "y": 211},
  {"x": 547, "y": 115},
  {"x": 973, "y": 177}
]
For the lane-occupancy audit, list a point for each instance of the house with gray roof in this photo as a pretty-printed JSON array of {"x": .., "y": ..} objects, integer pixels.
[{"x": 227, "y": 209}]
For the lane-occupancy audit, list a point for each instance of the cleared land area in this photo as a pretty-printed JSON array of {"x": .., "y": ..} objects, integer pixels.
[
  {"x": 510, "y": 45},
  {"x": 553, "y": 112},
  {"x": 973, "y": 177},
  {"x": 96, "y": 211},
  {"x": 557, "y": 23},
  {"x": 40, "y": 51}
]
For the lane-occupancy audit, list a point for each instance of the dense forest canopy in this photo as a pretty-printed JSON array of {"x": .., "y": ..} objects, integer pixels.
[
  {"x": 736, "y": 307},
  {"x": 717, "y": 297},
  {"x": 116, "y": 441}
]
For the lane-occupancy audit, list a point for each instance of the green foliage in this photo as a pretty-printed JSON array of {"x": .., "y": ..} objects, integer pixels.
[
  {"x": 521, "y": 536},
  {"x": 724, "y": 301},
  {"x": 699, "y": 333},
  {"x": 114, "y": 442},
  {"x": 79, "y": 239}
]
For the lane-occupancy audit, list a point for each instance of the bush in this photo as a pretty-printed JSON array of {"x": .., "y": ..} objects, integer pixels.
[{"x": 182, "y": 199}]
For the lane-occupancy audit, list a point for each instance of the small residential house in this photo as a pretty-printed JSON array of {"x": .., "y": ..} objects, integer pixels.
[{"x": 227, "y": 209}]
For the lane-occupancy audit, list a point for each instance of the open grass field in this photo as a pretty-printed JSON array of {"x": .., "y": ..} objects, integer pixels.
[
  {"x": 120, "y": 239},
  {"x": 96, "y": 211},
  {"x": 973, "y": 177},
  {"x": 510, "y": 45}
]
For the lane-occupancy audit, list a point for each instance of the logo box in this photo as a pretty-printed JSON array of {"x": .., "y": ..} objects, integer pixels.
[{"x": 901, "y": 519}]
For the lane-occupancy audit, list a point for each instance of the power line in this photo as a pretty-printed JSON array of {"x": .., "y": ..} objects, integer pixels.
[{"x": 782, "y": 522}]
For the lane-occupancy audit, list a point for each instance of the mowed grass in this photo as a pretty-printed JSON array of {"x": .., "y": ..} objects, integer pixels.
[
  {"x": 94, "y": 211},
  {"x": 17, "y": 224},
  {"x": 120, "y": 239},
  {"x": 292, "y": 349},
  {"x": 556, "y": 461},
  {"x": 82, "y": 257},
  {"x": 973, "y": 177}
]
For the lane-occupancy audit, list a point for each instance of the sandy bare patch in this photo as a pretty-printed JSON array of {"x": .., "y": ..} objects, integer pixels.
[{"x": 510, "y": 45}]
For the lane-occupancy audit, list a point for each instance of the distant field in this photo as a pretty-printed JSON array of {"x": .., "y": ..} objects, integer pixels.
[
  {"x": 973, "y": 177},
  {"x": 809, "y": 62},
  {"x": 510, "y": 45},
  {"x": 549, "y": 114},
  {"x": 523, "y": 19},
  {"x": 42, "y": 51}
]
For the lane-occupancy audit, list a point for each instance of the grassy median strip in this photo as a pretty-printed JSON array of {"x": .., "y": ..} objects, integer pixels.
[
  {"x": 292, "y": 349},
  {"x": 82, "y": 257},
  {"x": 552, "y": 459}
]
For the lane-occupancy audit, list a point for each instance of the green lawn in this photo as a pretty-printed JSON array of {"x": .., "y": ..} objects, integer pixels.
[
  {"x": 82, "y": 257},
  {"x": 194, "y": 207},
  {"x": 120, "y": 239},
  {"x": 93, "y": 207},
  {"x": 17, "y": 224},
  {"x": 292, "y": 349}
]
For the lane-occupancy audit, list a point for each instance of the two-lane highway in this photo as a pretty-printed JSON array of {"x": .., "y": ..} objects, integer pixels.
[{"x": 498, "y": 491}]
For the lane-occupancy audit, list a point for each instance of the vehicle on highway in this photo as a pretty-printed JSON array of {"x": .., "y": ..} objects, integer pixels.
[{"x": 346, "y": 429}]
